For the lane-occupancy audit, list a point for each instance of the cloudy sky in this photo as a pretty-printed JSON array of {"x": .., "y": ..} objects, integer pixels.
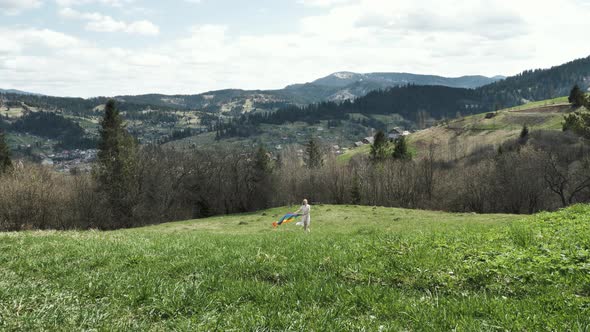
[{"x": 113, "y": 47}]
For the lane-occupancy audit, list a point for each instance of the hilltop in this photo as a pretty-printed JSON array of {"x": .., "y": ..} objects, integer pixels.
[
  {"x": 290, "y": 116},
  {"x": 457, "y": 138},
  {"x": 18, "y": 92},
  {"x": 369, "y": 268},
  {"x": 335, "y": 87},
  {"x": 460, "y": 137}
]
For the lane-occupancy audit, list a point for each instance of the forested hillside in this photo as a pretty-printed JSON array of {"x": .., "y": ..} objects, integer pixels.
[
  {"x": 539, "y": 84},
  {"x": 419, "y": 104},
  {"x": 248, "y": 114},
  {"x": 412, "y": 102}
]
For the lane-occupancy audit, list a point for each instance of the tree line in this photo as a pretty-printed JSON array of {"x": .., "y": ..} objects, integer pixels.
[
  {"x": 50, "y": 125},
  {"x": 408, "y": 101},
  {"x": 134, "y": 186},
  {"x": 415, "y": 103},
  {"x": 579, "y": 120}
]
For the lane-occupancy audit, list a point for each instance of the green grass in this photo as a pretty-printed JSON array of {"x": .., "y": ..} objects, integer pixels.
[
  {"x": 295, "y": 134},
  {"x": 15, "y": 140},
  {"x": 475, "y": 129},
  {"x": 344, "y": 158},
  {"x": 361, "y": 268},
  {"x": 541, "y": 103}
]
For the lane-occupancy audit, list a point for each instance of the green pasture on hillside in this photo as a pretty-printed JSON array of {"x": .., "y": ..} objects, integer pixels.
[{"x": 361, "y": 268}]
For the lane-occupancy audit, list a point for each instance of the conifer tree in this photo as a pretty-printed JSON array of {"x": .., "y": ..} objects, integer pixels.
[
  {"x": 401, "y": 149},
  {"x": 5, "y": 159},
  {"x": 379, "y": 147},
  {"x": 313, "y": 155},
  {"x": 117, "y": 166},
  {"x": 261, "y": 177},
  {"x": 577, "y": 97},
  {"x": 524, "y": 133},
  {"x": 262, "y": 161},
  {"x": 355, "y": 192}
]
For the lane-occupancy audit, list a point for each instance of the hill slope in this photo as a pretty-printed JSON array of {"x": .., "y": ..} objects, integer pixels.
[
  {"x": 460, "y": 137},
  {"x": 198, "y": 119},
  {"x": 336, "y": 87},
  {"x": 18, "y": 92},
  {"x": 361, "y": 268},
  {"x": 385, "y": 80},
  {"x": 539, "y": 84}
]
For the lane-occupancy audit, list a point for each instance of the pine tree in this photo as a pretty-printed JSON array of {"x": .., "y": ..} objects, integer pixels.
[
  {"x": 261, "y": 177},
  {"x": 262, "y": 162},
  {"x": 379, "y": 147},
  {"x": 5, "y": 161},
  {"x": 577, "y": 98},
  {"x": 578, "y": 122},
  {"x": 117, "y": 165},
  {"x": 355, "y": 192},
  {"x": 400, "y": 151},
  {"x": 524, "y": 133},
  {"x": 313, "y": 155}
]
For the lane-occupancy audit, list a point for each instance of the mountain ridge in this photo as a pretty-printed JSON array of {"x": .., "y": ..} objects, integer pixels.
[
  {"x": 19, "y": 92},
  {"x": 338, "y": 86},
  {"x": 387, "y": 79}
]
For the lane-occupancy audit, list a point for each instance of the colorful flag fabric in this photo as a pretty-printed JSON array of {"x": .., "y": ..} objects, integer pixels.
[{"x": 289, "y": 217}]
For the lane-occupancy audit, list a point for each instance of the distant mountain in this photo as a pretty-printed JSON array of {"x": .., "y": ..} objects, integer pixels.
[
  {"x": 385, "y": 80},
  {"x": 336, "y": 87},
  {"x": 530, "y": 85},
  {"x": 417, "y": 103},
  {"x": 376, "y": 100},
  {"x": 18, "y": 92}
]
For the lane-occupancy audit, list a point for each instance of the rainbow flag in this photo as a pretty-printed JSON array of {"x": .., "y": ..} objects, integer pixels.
[{"x": 289, "y": 217}]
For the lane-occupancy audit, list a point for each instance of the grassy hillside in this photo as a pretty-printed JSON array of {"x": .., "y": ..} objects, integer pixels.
[
  {"x": 362, "y": 268},
  {"x": 460, "y": 137}
]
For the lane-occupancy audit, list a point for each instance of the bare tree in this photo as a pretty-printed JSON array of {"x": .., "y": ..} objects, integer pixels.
[{"x": 565, "y": 179}]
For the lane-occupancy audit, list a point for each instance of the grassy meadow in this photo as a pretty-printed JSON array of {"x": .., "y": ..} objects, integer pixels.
[
  {"x": 460, "y": 137},
  {"x": 361, "y": 268}
]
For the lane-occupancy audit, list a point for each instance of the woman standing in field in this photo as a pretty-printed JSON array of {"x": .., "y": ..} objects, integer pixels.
[{"x": 306, "y": 217}]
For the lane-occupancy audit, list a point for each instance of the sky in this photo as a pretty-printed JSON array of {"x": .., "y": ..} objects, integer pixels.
[{"x": 91, "y": 48}]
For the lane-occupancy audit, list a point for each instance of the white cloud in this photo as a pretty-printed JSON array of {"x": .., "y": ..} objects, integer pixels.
[
  {"x": 14, "y": 7},
  {"x": 451, "y": 38},
  {"x": 143, "y": 27},
  {"x": 113, "y": 3},
  {"x": 323, "y": 3},
  {"x": 102, "y": 23}
]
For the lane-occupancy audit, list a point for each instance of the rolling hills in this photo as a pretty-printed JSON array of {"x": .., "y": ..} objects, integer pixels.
[
  {"x": 457, "y": 138},
  {"x": 461, "y": 137},
  {"x": 18, "y": 92},
  {"x": 335, "y": 87},
  {"x": 367, "y": 268},
  {"x": 247, "y": 118}
]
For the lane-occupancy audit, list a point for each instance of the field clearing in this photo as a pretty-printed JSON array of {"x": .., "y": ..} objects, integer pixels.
[
  {"x": 12, "y": 113},
  {"x": 460, "y": 137},
  {"x": 16, "y": 140},
  {"x": 362, "y": 268},
  {"x": 277, "y": 138},
  {"x": 541, "y": 103}
]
